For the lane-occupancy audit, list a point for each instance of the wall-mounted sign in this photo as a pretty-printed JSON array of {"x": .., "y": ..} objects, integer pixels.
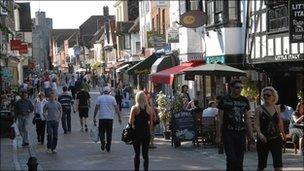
[
  {"x": 215, "y": 59},
  {"x": 191, "y": 57},
  {"x": 172, "y": 35},
  {"x": 15, "y": 44},
  {"x": 155, "y": 40},
  {"x": 296, "y": 19},
  {"x": 193, "y": 19},
  {"x": 23, "y": 49},
  {"x": 287, "y": 57},
  {"x": 162, "y": 4}
]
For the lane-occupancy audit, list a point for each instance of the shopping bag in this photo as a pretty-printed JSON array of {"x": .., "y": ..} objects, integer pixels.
[{"x": 94, "y": 133}]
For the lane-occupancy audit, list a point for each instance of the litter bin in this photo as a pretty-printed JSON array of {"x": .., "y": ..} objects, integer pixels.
[{"x": 6, "y": 120}]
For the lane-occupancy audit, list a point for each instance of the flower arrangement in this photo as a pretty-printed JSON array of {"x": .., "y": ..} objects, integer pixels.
[{"x": 178, "y": 103}]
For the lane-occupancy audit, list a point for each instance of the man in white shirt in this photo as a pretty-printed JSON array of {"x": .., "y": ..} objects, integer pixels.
[
  {"x": 106, "y": 107},
  {"x": 211, "y": 111}
]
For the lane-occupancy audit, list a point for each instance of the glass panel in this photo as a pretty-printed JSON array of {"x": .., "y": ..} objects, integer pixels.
[
  {"x": 218, "y": 6},
  {"x": 263, "y": 46},
  {"x": 264, "y": 22},
  {"x": 270, "y": 47},
  {"x": 278, "y": 46},
  {"x": 233, "y": 14},
  {"x": 257, "y": 47},
  {"x": 301, "y": 47},
  {"x": 294, "y": 48},
  {"x": 210, "y": 12},
  {"x": 286, "y": 45}
]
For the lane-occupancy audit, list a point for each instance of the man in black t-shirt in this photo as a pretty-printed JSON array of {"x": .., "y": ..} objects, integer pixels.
[
  {"x": 233, "y": 124},
  {"x": 83, "y": 105}
]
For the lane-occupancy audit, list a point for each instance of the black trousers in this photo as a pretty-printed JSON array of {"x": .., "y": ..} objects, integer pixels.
[
  {"x": 234, "y": 145},
  {"x": 142, "y": 141},
  {"x": 40, "y": 129},
  {"x": 73, "y": 91},
  {"x": 275, "y": 147},
  {"x": 106, "y": 127},
  {"x": 66, "y": 120}
]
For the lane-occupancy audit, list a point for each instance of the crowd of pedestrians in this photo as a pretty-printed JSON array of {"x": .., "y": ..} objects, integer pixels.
[{"x": 232, "y": 113}]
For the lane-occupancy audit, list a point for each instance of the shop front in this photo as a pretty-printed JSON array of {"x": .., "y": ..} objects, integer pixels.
[
  {"x": 286, "y": 74},
  {"x": 141, "y": 71}
]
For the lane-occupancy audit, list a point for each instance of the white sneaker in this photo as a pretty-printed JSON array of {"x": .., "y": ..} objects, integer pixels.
[
  {"x": 54, "y": 151},
  {"x": 49, "y": 151}
]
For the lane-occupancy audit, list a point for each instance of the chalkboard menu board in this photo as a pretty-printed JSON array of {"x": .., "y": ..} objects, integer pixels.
[
  {"x": 183, "y": 125},
  {"x": 296, "y": 18}
]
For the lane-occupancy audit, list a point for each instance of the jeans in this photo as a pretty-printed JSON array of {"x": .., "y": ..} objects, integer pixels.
[
  {"x": 234, "y": 145},
  {"x": 275, "y": 147},
  {"x": 66, "y": 120},
  {"x": 40, "y": 129},
  {"x": 52, "y": 134},
  {"x": 106, "y": 127},
  {"x": 23, "y": 122}
]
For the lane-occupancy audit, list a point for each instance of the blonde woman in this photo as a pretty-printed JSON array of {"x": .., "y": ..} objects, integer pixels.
[
  {"x": 270, "y": 130},
  {"x": 141, "y": 118}
]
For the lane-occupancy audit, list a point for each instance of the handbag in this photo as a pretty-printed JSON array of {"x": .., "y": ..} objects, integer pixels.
[
  {"x": 94, "y": 133},
  {"x": 35, "y": 118},
  {"x": 127, "y": 134}
]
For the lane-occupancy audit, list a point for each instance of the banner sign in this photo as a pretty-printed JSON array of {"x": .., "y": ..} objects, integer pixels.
[
  {"x": 15, "y": 44},
  {"x": 296, "y": 19},
  {"x": 23, "y": 49}
]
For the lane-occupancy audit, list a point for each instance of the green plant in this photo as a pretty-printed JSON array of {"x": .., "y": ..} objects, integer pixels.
[
  {"x": 250, "y": 89},
  {"x": 163, "y": 107}
]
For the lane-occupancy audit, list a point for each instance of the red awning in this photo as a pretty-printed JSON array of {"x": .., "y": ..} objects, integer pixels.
[{"x": 166, "y": 76}]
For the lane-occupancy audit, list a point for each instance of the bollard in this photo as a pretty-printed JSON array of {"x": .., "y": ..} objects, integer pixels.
[{"x": 32, "y": 164}]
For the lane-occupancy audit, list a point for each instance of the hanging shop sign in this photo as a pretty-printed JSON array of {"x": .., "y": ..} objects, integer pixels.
[
  {"x": 156, "y": 40},
  {"x": 296, "y": 19},
  {"x": 193, "y": 19},
  {"x": 15, "y": 44},
  {"x": 172, "y": 35},
  {"x": 23, "y": 49}
]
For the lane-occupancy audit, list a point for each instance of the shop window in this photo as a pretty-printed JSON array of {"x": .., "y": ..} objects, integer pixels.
[
  {"x": 137, "y": 44},
  {"x": 278, "y": 19}
]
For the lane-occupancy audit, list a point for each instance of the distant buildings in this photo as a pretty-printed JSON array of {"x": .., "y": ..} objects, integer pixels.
[{"x": 41, "y": 35}]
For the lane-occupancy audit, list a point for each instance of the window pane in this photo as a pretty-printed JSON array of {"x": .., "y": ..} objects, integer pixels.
[
  {"x": 194, "y": 4},
  {"x": 263, "y": 46},
  {"x": 232, "y": 14},
  {"x": 218, "y": 6},
  {"x": 278, "y": 46},
  {"x": 270, "y": 47},
  {"x": 210, "y": 12},
  {"x": 264, "y": 22},
  {"x": 257, "y": 47},
  {"x": 286, "y": 45}
]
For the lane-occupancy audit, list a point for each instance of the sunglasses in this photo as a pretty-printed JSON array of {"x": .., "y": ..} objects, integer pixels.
[
  {"x": 238, "y": 87},
  {"x": 267, "y": 95}
]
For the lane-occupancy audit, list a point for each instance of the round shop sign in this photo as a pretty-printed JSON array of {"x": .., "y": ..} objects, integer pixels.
[{"x": 193, "y": 19}]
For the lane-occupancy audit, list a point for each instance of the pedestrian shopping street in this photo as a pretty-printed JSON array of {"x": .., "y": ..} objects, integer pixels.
[{"x": 76, "y": 151}]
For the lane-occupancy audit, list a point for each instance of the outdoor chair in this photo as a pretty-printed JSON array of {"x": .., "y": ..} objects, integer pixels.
[{"x": 208, "y": 130}]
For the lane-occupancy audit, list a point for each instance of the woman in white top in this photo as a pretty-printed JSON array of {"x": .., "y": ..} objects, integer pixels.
[{"x": 39, "y": 118}]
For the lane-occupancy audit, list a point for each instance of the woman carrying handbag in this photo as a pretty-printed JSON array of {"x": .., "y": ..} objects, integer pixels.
[
  {"x": 39, "y": 119},
  {"x": 141, "y": 119}
]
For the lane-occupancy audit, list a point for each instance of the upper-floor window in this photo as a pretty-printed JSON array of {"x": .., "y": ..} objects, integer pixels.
[
  {"x": 278, "y": 19},
  {"x": 187, "y": 5},
  {"x": 222, "y": 12}
]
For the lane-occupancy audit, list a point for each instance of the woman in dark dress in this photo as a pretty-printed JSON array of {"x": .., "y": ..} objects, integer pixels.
[
  {"x": 270, "y": 130},
  {"x": 141, "y": 118}
]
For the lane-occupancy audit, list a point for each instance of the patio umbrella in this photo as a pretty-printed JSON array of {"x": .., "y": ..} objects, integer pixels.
[{"x": 215, "y": 69}]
